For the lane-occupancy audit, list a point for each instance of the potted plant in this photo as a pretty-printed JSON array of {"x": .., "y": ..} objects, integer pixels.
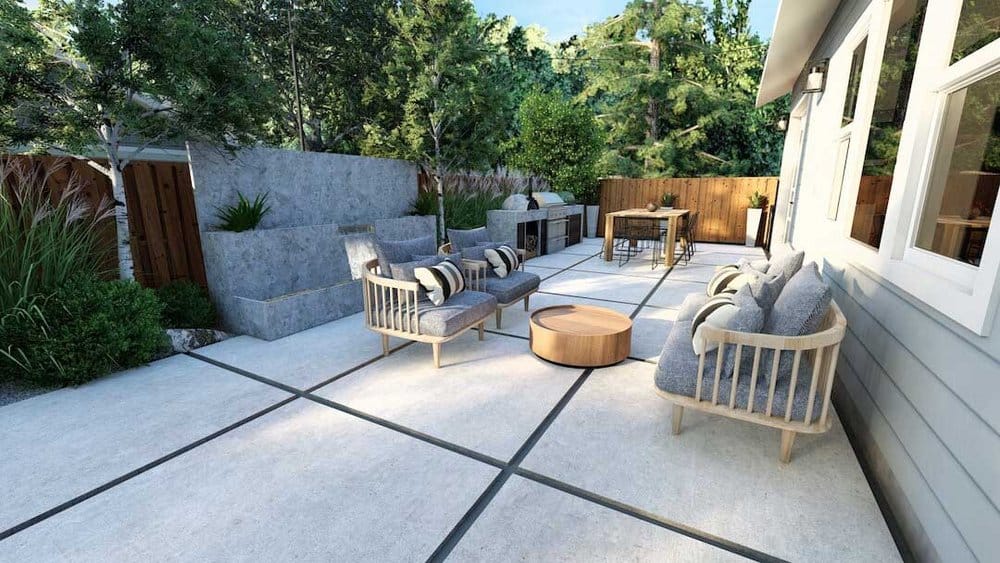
[
  {"x": 667, "y": 201},
  {"x": 758, "y": 202}
]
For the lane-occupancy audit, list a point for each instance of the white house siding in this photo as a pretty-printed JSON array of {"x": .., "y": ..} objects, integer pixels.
[{"x": 920, "y": 392}]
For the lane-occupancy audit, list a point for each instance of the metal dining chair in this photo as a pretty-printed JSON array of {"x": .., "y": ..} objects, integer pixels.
[
  {"x": 687, "y": 233},
  {"x": 635, "y": 235}
]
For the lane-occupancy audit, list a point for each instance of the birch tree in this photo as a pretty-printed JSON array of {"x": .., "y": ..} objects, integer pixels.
[{"x": 124, "y": 75}]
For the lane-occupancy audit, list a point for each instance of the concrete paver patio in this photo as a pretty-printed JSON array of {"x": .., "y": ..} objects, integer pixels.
[{"x": 315, "y": 448}]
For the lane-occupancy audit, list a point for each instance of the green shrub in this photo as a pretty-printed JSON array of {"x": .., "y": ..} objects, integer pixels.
[
  {"x": 185, "y": 305},
  {"x": 245, "y": 215},
  {"x": 84, "y": 330},
  {"x": 44, "y": 241}
]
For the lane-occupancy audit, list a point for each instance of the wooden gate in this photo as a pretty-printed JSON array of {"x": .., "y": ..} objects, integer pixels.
[
  {"x": 721, "y": 202},
  {"x": 166, "y": 244}
]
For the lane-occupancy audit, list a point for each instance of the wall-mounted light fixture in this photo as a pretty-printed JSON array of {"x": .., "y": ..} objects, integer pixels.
[{"x": 816, "y": 77}]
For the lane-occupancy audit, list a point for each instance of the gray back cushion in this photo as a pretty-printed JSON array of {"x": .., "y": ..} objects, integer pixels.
[
  {"x": 460, "y": 239},
  {"x": 400, "y": 251},
  {"x": 802, "y": 304},
  {"x": 455, "y": 257},
  {"x": 787, "y": 264},
  {"x": 766, "y": 288},
  {"x": 478, "y": 252},
  {"x": 799, "y": 311},
  {"x": 404, "y": 270}
]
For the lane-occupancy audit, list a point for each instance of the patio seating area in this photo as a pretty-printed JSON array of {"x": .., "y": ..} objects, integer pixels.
[{"x": 315, "y": 446}]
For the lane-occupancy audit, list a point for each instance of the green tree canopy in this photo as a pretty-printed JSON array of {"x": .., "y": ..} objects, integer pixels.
[
  {"x": 560, "y": 142},
  {"x": 139, "y": 71}
]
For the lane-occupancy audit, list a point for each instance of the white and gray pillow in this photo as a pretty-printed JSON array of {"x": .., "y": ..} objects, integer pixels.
[
  {"x": 441, "y": 281},
  {"x": 717, "y": 312},
  {"x": 503, "y": 259}
]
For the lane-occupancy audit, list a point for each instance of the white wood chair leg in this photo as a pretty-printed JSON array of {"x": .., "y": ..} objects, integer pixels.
[
  {"x": 499, "y": 317},
  {"x": 526, "y": 298},
  {"x": 482, "y": 329},
  {"x": 385, "y": 344},
  {"x": 787, "y": 439},
  {"x": 436, "y": 347},
  {"x": 678, "y": 414}
]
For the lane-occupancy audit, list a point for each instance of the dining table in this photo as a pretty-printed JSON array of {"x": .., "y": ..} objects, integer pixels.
[{"x": 671, "y": 216}]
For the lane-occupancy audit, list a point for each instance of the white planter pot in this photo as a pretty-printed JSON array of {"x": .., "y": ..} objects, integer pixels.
[
  {"x": 666, "y": 208},
  {"x": 753, "y": 224},
  {"x": 592, "y": 214}
]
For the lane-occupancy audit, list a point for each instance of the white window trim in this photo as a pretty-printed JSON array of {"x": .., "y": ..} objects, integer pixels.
[{"x": 964, "y": 293}]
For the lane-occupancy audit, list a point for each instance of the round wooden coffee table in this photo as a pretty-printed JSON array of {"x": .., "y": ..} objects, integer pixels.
[{"x": 580, "y": 335}]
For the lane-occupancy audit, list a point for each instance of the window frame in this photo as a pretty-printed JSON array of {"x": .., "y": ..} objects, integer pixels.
[{"x": 967, "y": 294}]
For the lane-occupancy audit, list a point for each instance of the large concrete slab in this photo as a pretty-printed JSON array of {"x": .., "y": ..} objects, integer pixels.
[
  {"x": 626, "y": 289},
  {"x": 638, "y": 266},
  {"x": 488, "y": 396},
  {"x": 692, "y": 272},
  {"x": 719, "y": 475},
  {"x": 557, "y": 260},
  {"x": 527, "y": 521},
  {"x": 541, "y": 272},
  {"x": 581, "y": 249},
  {"x": 671, "y": 293},
  {"x": 515, "y": 319},
  {"x": 649, "y": 331},
  {"x": 303, "y": 483},
  {"x": 62, "y": 444},
  {"x": 306, "y": 358},
  {"x": 719, "y": 258}
]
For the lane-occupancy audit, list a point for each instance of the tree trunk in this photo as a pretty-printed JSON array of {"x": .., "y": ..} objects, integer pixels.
[
  {"x": 439, "y": 181},
  {"x": 652, "y": 109},
  {"x": 126, "y": 267},
  {"x": 109, "y": 134}
]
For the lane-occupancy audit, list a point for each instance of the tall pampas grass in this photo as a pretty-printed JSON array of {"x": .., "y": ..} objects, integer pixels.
[{"x": 47, "y": 235}]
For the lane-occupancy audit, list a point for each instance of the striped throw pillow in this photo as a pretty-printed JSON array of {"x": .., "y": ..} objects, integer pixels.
[
  {"x": 441, "y": 281},
  {"x": 717, "y": 312},
  {"x": 503, "y": 260}
]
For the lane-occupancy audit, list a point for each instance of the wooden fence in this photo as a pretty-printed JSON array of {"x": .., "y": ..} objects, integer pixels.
[
  {"x": 721, "y": 202},
  {"x": 166, "y": 244}
]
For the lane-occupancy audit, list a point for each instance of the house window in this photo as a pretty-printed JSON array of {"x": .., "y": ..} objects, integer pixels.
[
  {"x": 854, "y": 84},
  {"x": 965, "y": 176},
  {"x": 891, "y": 99},
  {"x": 978, "y": 25}
]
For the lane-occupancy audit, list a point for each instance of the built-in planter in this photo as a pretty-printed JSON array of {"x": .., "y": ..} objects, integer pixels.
[
  {"x": 270, "y": 283},
  {"x": 753, "y": 225},
  {"x": 593, "y": 212}
]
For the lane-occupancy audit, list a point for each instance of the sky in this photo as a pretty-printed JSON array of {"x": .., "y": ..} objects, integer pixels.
[{"x": 563, "y": 18}]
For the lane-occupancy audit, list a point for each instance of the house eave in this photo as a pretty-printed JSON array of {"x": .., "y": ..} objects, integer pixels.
[{"x": 798, "y": 27}]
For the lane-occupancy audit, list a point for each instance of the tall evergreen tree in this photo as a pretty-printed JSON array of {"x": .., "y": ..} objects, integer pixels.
[{"x": 447, "y": 104}]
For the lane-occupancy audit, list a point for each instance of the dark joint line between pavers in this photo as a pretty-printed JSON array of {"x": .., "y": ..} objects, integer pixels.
[{"x": 649, "y": 517}]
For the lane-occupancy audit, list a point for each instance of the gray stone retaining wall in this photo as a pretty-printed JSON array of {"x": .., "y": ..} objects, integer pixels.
[{"x": 302, "y": 267}]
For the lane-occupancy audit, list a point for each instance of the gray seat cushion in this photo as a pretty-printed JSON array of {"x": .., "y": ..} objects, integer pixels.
[
  {"x": 400, "y": 251},
  {"x": 455, "y": 314},
  {"x": 460, "y": 239},
  {"x": 514, "y": 287}
]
